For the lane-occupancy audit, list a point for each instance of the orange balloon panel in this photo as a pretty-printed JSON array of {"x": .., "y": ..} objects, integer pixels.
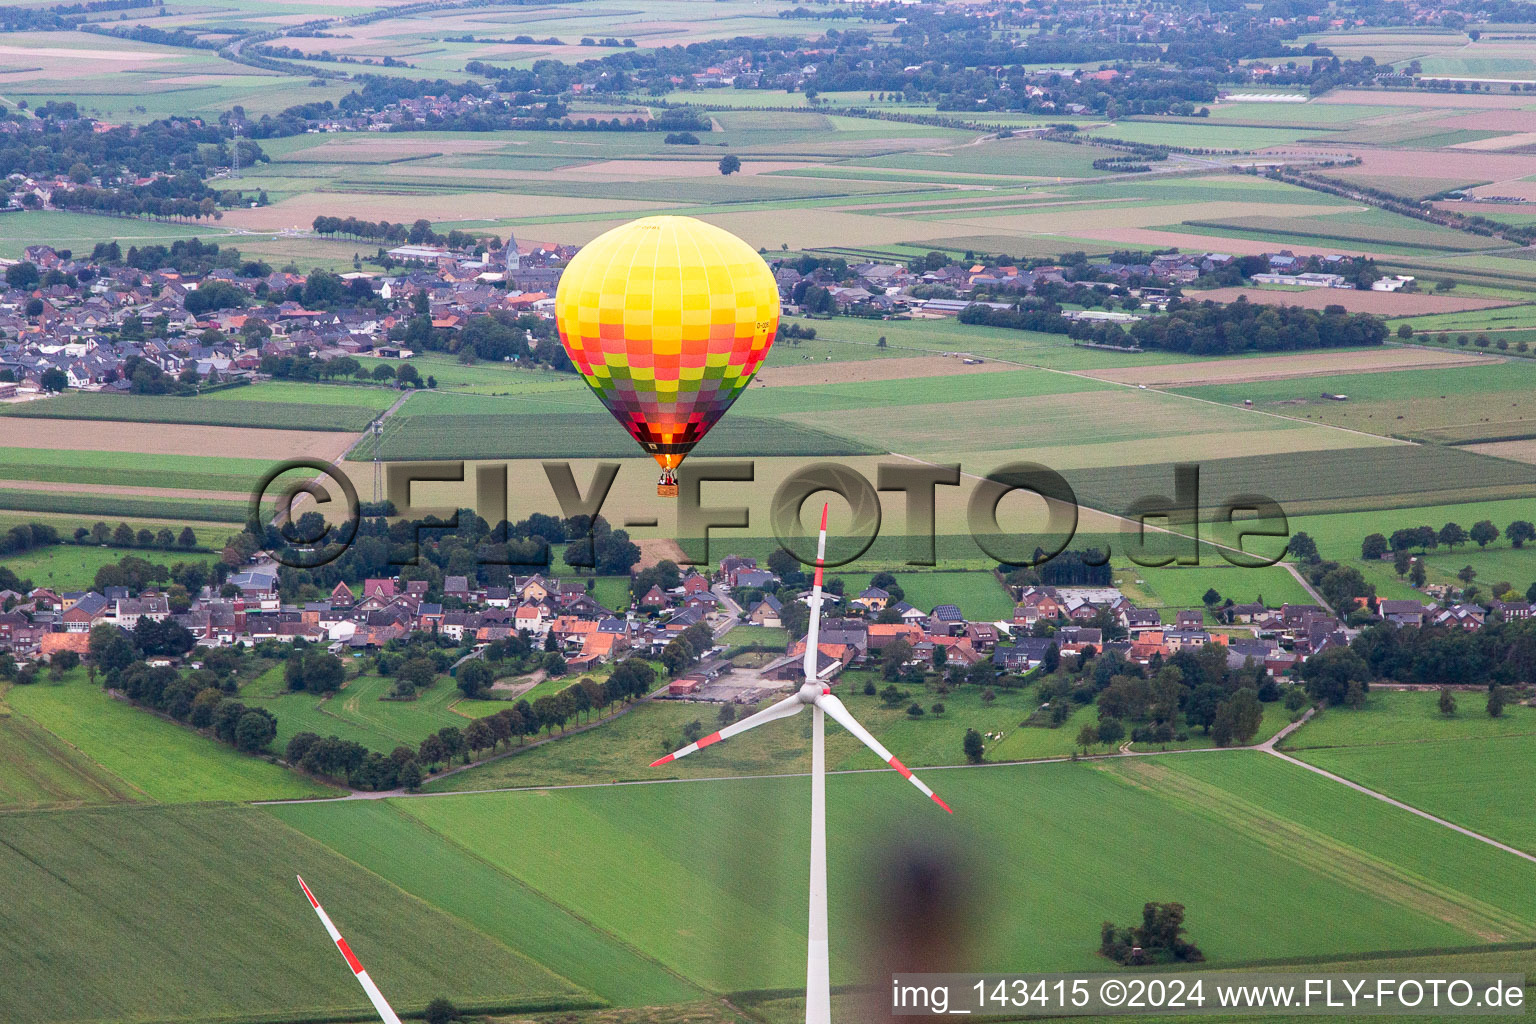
[{"x": 668, "y": 319}]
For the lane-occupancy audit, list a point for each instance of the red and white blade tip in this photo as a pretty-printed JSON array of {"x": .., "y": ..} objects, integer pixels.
[
  {"x": 824, "y": 517},
  {"x": 906, "y": 773}
]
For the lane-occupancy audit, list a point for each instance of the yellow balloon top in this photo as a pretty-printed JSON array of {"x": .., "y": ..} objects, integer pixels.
[{"x": 667, "y": 318}]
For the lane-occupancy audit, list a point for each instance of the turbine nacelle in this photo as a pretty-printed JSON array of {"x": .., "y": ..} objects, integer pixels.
[{"x": 808, "y": 692}]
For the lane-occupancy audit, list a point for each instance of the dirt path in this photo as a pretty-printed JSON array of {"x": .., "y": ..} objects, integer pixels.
[
  {"x": 522, "y": 686},
  {"x": 1309, "y": 588},
  {"x": 1402, "y": 806}
]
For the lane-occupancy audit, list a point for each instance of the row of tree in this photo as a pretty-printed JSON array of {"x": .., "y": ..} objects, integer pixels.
[{"x": 1451, "y": 535}]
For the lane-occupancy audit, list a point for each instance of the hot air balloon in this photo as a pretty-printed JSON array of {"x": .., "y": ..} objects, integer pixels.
[{"x": 667, "y": 319}]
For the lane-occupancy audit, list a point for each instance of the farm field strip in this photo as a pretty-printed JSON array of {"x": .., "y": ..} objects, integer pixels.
[
  {"x": 1431, "y": 776},
  {"x": 1349, "y": 865},
  {"x": 155, "y": 950},
  {"x": 159, "y": 759},
  {"x": 42, "y": 771},
  {"x": 378, "y": 836},
  {"x": 149, "y": 437},
  {"x": 1393, "y": 802},
  {"x": 134, "y": 471},
  {"x": 227, "y": 412},
  {"x": 726, "y": 871}
]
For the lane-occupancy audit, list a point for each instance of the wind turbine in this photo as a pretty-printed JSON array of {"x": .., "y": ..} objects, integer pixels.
[
  {"x": 818, "y": 972},
  {"x": 386, "y": 1014}
]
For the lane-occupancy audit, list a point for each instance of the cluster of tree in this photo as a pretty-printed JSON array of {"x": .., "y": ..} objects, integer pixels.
[
  {"x": 1158, "y": 939},
  {"x": 179, "y": 580},
  {"x": 124, "y": 536},
  {"x": 686, "y": 648},
  {"x": 63, "y": 17},
  {"x": 202, "y": 698},
  {"x": 181, "y": 37},
  {"x": 314, "y": 671},
  {"x": 190, "y": 256},
  {"x": 420, "y": 232},
  {"x": 26, "y": 536},
  {"x": 1451, "y": 535},
  {"x": 1209, "y": 328},
  {"x": 1031, "y": 316},
  {"x": 497, "y": 337},
  {"x": 63, "y": 139},
  {"x": 1194, "y": 689},
  {"x": 1088, "y": 568},
  {"x": 1499, "y": 654},
  {"x": 335, "y": 758}
]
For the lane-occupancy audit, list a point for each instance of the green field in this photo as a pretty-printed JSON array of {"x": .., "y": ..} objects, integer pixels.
[
  {"x": 1184, "y": 587},
  {"x": 1309, "y": 482},
  {"x": 358, "y": 712},
  {"x": 1481, "y": 784},
  {"x": 1262, "y": 843},
  {"x": 131, "y": 469},
  {"x": 622, "y": 749},
  {"x": 300, "y": 393},
  {"x": 217, "y": 412},
  {"x": 73, "y": 566},
  {"x": 591, "y": 435},
  {"x": 1410, "y": 716},
  {"x": 81, "y": 231},
  {"x": 42, "y": 771},
  {"x": 153, "y": 757},
  {"x": 113, "y": 507},
  {"x": 978, "y": 594},
  {"x": 194, "y": 914},
  {"x": 397, "y": 847},
  {"x": 1459, "y": 403}
]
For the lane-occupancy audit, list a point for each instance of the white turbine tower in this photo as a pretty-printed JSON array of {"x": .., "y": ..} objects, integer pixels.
[
  {"x": 818, "y": 973},
  {"x": 386, "y": 1014}
]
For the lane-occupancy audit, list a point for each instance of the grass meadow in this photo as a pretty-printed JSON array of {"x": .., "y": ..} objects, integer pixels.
[
  {"x": 209, "y": 411},
  {"x": 978, "y": 594},
  {"x": 213, "y": 925},
  {"x": 63, "y": 567},
  {"x": 131, "y": 469},
  {"x": 154, "y": 757},
  {"x": 1263, "y": 842},
  {"x": 381, "y": 837},
  {"x": 1410, "y": 716},
  {"x": 1481, "y": 784},
  {"x": 359, "y": 712},
  {"x": 43, "y": 771},
  {"x": 622, "y": 749}
]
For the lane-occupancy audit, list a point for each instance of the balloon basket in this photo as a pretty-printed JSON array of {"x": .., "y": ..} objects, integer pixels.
[{"x": 666, "y": 490}]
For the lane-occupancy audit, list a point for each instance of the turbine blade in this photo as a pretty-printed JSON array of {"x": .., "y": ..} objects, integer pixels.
[
  {"x": 386, "y": 1014},
  {"x": 783, "y": 709},
  {"x": 813, "y": 637},
  {"x": 834, "y": 707}
]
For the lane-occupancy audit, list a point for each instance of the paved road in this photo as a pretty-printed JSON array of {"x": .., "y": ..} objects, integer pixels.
[{"x": 733, "y": 611}]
